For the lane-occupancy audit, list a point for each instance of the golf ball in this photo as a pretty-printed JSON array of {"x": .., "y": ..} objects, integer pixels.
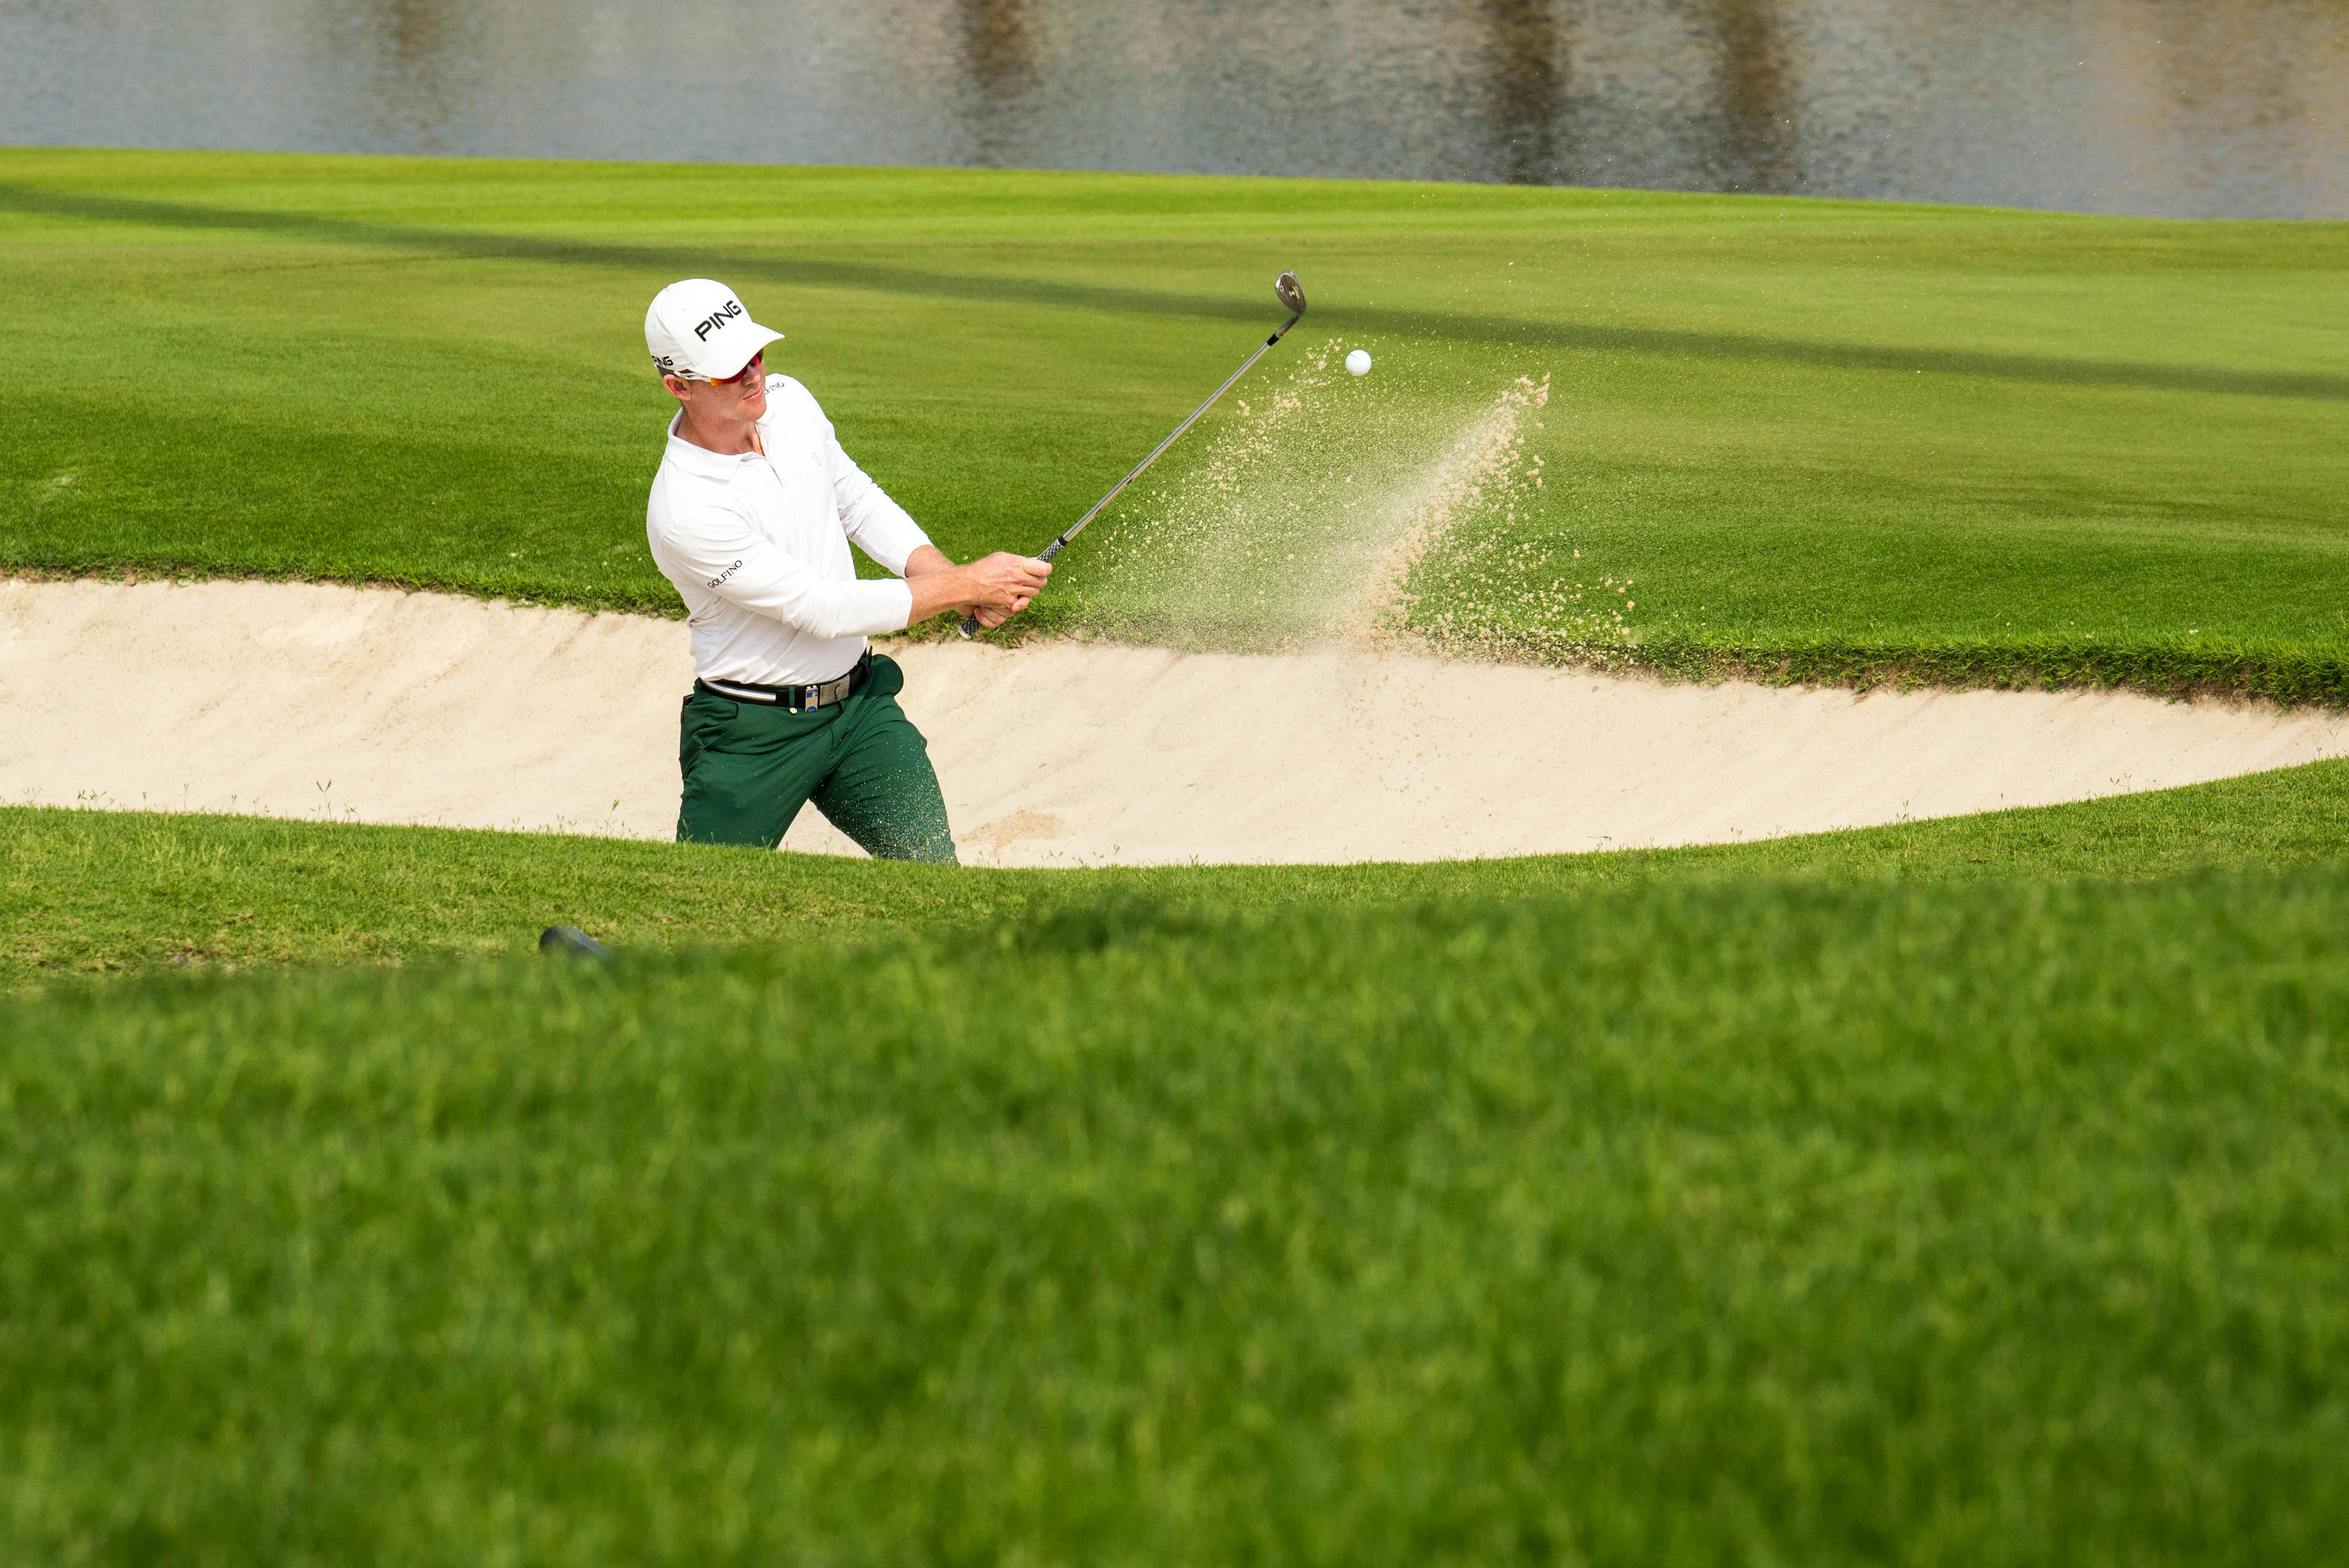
[{"x": 1359, "y": 362}]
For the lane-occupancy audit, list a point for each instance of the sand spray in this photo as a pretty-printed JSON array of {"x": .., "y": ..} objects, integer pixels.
[
  {"x": 1316, "y": 511},
  {"x": 1484, "y": 472}
]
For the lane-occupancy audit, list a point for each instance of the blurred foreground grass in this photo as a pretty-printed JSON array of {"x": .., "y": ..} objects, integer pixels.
[
  {"x": 103, "y": 893},
  {"x": 1982, "y": 1223}
]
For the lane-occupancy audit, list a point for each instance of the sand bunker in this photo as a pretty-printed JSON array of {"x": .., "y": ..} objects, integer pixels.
[{"x": 301, "y": 700}]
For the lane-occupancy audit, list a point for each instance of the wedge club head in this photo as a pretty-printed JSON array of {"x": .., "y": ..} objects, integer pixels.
[{"x": 1289, "y": 292}]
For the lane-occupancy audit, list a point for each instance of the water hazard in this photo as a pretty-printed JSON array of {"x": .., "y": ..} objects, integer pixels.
[{"x": 2179, "y": 108}]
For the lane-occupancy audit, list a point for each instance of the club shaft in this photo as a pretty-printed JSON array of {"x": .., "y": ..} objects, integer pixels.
[
  {"x": 970, "y": 622},
  {"x": 1173, "y": 435}
]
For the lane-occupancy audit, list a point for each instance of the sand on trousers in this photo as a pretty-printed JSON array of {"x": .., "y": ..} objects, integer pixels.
[{"x": 369, "y": 704}]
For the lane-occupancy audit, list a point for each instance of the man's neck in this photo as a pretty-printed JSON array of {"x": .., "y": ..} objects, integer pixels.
[{"x": 728, "y": 440}]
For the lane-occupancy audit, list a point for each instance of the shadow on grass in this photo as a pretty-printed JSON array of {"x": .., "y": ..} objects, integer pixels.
[{"x": 1455, "y": 326}]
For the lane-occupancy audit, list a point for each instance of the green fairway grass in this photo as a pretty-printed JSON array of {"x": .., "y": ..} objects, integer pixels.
[
  {"x": 103, "y": 893},
  {"x": 1823, "y": 439},
  {"x": 1966, "y": 1191},
  {"x": 1970, "y": 1223}
]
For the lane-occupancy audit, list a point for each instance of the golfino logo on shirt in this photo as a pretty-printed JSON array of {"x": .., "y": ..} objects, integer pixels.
[{"x": 723, "y": 576}]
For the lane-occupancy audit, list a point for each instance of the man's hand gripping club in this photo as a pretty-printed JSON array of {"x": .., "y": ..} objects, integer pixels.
[{"x": 994, "y": 588}]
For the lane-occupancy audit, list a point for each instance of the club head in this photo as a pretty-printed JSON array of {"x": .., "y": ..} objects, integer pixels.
[
  {"x": 571, "y": 940},
  {"x": 1289, "y": 292}
]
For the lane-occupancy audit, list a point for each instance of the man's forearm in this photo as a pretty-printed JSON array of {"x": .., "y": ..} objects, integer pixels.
[
  {"x": 936, "y": 582},
  {"x": 935, "y": 590},
  {"x": 997, "y": 587}
]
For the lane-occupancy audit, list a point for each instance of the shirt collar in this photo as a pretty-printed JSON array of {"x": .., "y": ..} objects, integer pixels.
[{"x": 700, "y": 461}]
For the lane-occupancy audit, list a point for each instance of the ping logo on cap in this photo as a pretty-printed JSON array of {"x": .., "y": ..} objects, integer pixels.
[
  {"x": 716, "y": 319},
  {"x": 698, "y": 326}
]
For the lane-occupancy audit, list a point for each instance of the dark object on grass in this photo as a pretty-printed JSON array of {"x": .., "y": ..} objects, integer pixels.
[
  {"x": 1291, "y": 296},
  {"x": 569, "y": 939}
]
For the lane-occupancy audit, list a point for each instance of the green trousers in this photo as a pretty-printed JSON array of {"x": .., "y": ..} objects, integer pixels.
[{"x": 750, "y": 767}]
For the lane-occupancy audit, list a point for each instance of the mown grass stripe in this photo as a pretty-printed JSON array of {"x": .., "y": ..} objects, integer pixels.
[{"x": 805, "y": 270}]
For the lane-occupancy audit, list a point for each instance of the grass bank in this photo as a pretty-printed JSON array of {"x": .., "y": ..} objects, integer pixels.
[
  {"x": 1976, "y": 1223},
  {"x": 1839, "y": 441},
  {"x": 104, "y": 893}
]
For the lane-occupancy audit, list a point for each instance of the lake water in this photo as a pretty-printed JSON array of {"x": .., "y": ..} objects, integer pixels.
[{"x": 2178, "y": 107}]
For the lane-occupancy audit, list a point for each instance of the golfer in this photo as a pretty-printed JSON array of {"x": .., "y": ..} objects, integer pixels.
[{"x": 751, "y": 516}]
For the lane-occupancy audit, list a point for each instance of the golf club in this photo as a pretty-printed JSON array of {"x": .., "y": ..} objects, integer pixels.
[
  {"x": 1291, "y": 296},
  {"x": 572, "y": 942}
]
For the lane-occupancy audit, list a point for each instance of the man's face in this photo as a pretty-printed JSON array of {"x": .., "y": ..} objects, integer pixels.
[{"x": 740, "y": 399}]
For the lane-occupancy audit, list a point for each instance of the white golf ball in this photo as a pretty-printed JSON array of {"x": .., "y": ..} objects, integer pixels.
[{"x": 1359, "y": 362}]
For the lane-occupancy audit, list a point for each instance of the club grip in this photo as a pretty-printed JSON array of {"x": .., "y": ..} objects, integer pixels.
[{"x": 970, "y": 622}]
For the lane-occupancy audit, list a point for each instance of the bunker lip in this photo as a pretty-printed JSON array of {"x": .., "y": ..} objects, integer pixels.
[{"x": 313, "y": 700}]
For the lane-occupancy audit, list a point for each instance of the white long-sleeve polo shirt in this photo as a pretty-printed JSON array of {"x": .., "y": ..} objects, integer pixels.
[{"x": 758, "y": 547}]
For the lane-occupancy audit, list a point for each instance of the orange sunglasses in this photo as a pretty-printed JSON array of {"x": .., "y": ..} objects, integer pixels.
[{"x": 758, "y": 361}]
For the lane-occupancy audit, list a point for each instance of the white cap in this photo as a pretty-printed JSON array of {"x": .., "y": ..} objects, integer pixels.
[{"x": 698, "y": 325}]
